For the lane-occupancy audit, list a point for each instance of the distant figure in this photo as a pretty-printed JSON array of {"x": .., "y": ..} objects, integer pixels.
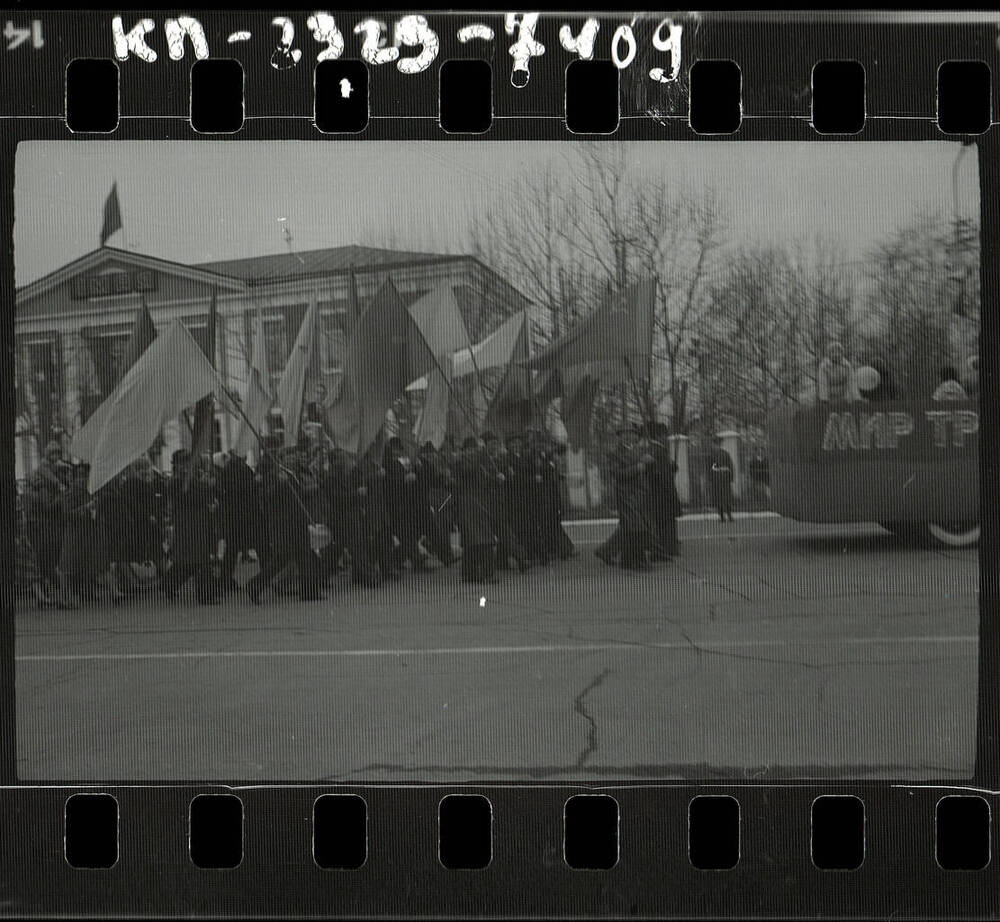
[
  {"x": 835, "y": 379},
  {"x": 949, "y": 388},
  {"x": 720, "y": 479},
  {"x": 316, "y": 408}
]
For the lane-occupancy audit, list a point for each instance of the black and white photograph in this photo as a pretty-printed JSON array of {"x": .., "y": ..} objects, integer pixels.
[{"x": 486, "y": 461}]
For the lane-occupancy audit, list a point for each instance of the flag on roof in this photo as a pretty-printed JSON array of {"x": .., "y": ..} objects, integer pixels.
[{"x": 112, "y": 215}]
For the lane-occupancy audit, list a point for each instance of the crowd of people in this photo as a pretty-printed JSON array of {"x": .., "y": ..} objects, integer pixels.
[{"x": 315, "y": 507}]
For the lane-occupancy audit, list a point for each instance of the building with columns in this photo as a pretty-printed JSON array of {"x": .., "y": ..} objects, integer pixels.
[{"x": 71, "y": 325}]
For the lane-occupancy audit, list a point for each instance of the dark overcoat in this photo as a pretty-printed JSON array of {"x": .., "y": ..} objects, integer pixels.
[
  {"x": 473, "y": 501},
  {"x": 195, "y": 539}
]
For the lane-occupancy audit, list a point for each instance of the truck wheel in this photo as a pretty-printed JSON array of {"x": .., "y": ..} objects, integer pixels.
[
  {"x": 940, "y": 534},
  {"x": 953, "y": 534}
]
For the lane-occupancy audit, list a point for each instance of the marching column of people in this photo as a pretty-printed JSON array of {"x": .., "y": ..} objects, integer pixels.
[{"x": 316, "y": 509}]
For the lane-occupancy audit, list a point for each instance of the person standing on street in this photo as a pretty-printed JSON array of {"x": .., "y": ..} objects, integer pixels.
[{"x": 720, "y": 479}]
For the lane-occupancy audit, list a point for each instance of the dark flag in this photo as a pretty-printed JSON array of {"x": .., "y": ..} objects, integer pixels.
[
  {"x": 140, "y": 338},
  {"x": 579, "y": 394},
  {"x": 385, "y": 353},
  {"x": 512, "y": 408},
  {"x": 615, "y": 340},
  {"x": 112, "y": 215},
  {"x": 204, "y": 412}
]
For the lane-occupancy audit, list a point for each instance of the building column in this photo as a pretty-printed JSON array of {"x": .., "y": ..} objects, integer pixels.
[
  {"x": 679, "y": 446},
  {"x": 731, "y": 443}
]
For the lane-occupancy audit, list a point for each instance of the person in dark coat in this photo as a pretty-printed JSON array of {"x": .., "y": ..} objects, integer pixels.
[
  {"x": 629, "y": 469},
  {"x": 241, "y": 515},
  {"x": 475, "y": 523},
  {"x": 44, "y": 512},
  {"x": 375, "y": 508},
  {"x": 27, "y": 575},
  {"x": 359, "y": 530},
  {"x": 141, "y": 497},
  {"x": 193, "y": 503},
  {"x": 84, "y": 559},
  {"x": 403, "y": 502},
  {"x": 720, "y": 479},
  {"x": 508, "y": 546},
  {"x": 289, "y": 488},
  {"x": 664, "y": 500},
  {"x": 547, "y": 502},
  {"x": 520, "y": 491},
  {"x": 434, "y": 488}
]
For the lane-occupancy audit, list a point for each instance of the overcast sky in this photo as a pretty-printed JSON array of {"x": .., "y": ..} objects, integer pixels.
[{"x": 199, "y": 201}]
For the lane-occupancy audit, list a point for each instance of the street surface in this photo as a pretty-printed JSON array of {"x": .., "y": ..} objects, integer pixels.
[{"x": 769, "y": 649}]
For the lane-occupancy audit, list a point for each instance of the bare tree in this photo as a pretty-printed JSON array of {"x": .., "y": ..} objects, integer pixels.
[{"x": 923, "y": 295}]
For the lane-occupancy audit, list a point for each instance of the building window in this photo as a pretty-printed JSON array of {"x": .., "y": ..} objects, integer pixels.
[
  {"x": 100, "y": 366},
  {"x": 276, "y": 339},
  {"x": 332, "y": 342},
  {"x": 44, "y": 392}
]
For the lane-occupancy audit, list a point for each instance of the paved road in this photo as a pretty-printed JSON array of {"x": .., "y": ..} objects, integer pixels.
[{"x": 770, "y": 649}]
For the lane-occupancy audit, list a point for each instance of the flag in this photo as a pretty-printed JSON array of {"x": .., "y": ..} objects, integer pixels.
[
  {"x": 432, "y": 424},
  {"x": 580, "y": 390},
  {"x": 512, "y": 408},
  {"x": 112, "y": 215},
  {"x": 494, "y": 351},
  {"x": 617, "y": 338},
  {"x": 439, "y": 320},
  {"x": 140, "y": 339},
  {"x": 385, "y": 353},
  {"x": 258, "y": 399},
  {"x": 353, "y": 304},
  {"x": 292, "y": 386},
  {"x": 171, "y": 374},
  {"x": 204, "y": 412}
]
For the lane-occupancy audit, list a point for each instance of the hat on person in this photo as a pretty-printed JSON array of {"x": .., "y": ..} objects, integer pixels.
[
  {"x": 53, "y": 448},
  {"x": 180, "y": 456},
  {"x": 396, "y": 443},
  {"x": 427, "y": 448}
]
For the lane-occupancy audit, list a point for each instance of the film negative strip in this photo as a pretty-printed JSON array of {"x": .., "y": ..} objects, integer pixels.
[{"x": 500, "y": 464}]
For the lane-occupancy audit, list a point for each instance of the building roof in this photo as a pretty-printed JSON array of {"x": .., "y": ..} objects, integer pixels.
[{"x": 281, "y": 266}]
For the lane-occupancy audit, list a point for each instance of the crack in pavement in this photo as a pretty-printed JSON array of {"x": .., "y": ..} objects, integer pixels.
[
  {"x": 578, "y": 707},
  {"x": 689, "y": 771}
]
